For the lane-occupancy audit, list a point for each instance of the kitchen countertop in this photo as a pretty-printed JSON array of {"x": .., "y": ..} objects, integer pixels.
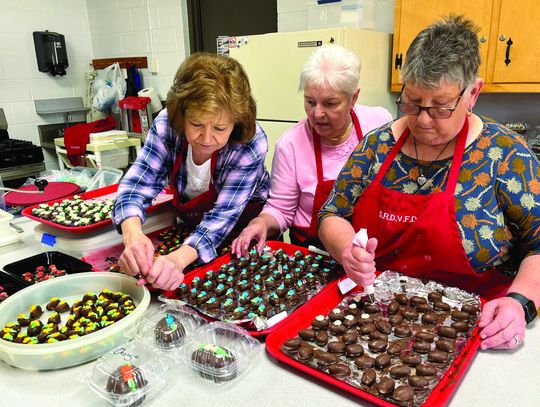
[{"x": 494, "y": 378}]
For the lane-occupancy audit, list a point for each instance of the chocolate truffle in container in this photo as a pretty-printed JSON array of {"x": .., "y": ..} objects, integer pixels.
[
  {"x": 128, "y": 382},
  {"x": 169, "y": 332}
]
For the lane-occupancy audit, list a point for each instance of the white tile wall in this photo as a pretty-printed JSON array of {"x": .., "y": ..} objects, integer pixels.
[
  {"x": 131, "y": 27},
  {"x": 20, "y": 80}
]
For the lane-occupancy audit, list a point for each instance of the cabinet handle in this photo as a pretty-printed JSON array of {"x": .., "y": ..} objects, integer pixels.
[
  {"x": 398, "y": 61},
  {"x": 508, "y": 45}
]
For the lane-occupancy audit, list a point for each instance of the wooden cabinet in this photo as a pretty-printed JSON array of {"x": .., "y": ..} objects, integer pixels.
[{"x": 509, "y": 38}]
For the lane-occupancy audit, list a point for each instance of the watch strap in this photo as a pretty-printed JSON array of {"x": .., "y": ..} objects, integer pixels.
[{"x": 528, "y": 306}]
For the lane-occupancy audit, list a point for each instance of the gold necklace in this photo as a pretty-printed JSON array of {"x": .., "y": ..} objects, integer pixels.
[
  {"x": 342, "y": 135},
  {"x": 421, "y": 179}
]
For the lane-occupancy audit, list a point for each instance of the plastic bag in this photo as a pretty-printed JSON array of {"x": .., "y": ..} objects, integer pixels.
[{"x": 109, "y": 87}]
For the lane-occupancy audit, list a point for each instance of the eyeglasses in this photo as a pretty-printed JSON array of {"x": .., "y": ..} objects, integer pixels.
[{"x": 433, "y": 111}]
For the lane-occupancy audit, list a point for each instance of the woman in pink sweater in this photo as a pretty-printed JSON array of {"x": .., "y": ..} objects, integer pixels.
[{"x": 309, "y": 156}]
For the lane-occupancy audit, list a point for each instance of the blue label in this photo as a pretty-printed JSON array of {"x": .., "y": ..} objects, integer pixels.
[{"x": 47, "y": 239}]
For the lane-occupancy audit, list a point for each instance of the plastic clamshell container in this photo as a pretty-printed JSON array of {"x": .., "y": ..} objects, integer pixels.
[
  {"x": 62, "y": 261},
  {"x": 130, "y": 374},
  {"x": 323, "y": 303},
  {"x": 220, "y": 351},
  {"x": 48, "y": 356},
  {"x": 104, "y": 177},
  {"x": 168, "y": 327}
]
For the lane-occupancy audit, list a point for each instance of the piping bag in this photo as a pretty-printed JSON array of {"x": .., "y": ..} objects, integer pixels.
[{"x": 346, "y": 285}]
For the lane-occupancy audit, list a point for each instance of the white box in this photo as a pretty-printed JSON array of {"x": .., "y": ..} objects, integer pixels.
[
  {"x": 346, "y": 13},
  {"x": 117, "y": 158},
  {"x": 109, "y": 136}
]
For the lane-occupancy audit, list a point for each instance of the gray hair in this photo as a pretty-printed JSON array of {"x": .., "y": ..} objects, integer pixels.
[
  {"x": 334, "y": 66},
  {"x": 446, "y": 50}
]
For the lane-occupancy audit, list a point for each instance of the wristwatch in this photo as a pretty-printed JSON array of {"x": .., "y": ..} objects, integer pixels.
[{"x": 528, "y": 306}]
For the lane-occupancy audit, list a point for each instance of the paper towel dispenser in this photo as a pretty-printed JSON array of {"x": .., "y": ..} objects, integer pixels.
[{"x": 51, "y": 52}]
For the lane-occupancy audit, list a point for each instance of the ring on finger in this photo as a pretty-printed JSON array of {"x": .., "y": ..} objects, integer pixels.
[{"x": 518, "y": 341}]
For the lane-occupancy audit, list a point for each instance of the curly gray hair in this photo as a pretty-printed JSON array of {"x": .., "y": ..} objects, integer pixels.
[
  {"x": 446, "y": 50},
  {"x": 334, "y": 66}
]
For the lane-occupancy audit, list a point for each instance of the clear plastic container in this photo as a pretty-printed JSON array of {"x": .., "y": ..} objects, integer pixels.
[
  {"x": 220, "y": 351},
  {"x": 168, "y": 327},
  {"x": 48, "y": 356},
  {"x": 130, "y": 374},
  {"x": 105, "y": 177}
]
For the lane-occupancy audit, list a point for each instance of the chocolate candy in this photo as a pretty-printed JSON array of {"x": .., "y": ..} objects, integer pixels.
[
  {"x": 354, "y": 350},
  {"x": 402, "y": 299},
  {"x": 418, "y": 382},
  {"x": 325, "y": 359},
  {"x": 383, "y": 326},
  {"x": 447, "y": 332},
  {"x": 337, "y": 327},
  {"x": 430, "y": 318},
  {"x": 399, "y": 371},
  {"x": 378, "y": 335},
  {"x": 469, "y": 309},
  {"x": 402, "y": 331},
  {"x": 321, "y": 338},
  {"x": 434, "y": 297},
  {"x": 417, "y": 300},
  {"x": 386, "y": 386},
  {"x": 349, "y": 321},
  {"x": 336, "y": 347},
  {"x": 437, "y": 356},
  {"x": 409, "y": 313},
  {"x": 382, "y": 361},
  {"x": 35, "y": 311},
  {"x": 377, "y": 345},
  {"x": 367, "y": 328},
  {"x": 395, "y": 319},
  {"x": 426, "y": 370},
  {"x": 403, "y": 393},
  {"x": 394, "y": 348},
  {"x": 442, "y": 306},
  {"x": 446, "y": 345},
  {"x": 293, "y": 344},
  {"x": 364, "y": 361},
  {"x": 459, "y": 316},
  {"x": 305, "y": 353},
  {"x": 372, "y": 308},
  {"x": 393, "y": 308},
  {"x": 425, "y": 336},
  {"x": 412, "y": 359},
  {"x": 339, "y": 370},
  {"x": 423, "y": 308},
  {"x": 307, "y": 334},
  {"x": 336, "y": 314},
  {"x": 369, "y": 376},
  {"x": 421, "y": 346},
  {"x": 460, "y": 326},
  {"x": 349, "y": 338}
]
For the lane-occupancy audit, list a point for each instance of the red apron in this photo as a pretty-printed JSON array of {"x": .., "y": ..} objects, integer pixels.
[
  {"x": 418, "y": 234},
  {"x": 192, "y": 211},
  {"x": 308, "y": 235}
]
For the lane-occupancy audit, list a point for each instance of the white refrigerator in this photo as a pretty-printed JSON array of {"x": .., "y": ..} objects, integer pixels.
[{"x": 273, "y": 63}]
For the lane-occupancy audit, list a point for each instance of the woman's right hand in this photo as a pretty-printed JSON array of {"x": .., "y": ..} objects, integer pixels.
[
  {"x": 255, "y": 230},
  {"x": 359, "y": 263},
  {"x": 138, "y": 255}
]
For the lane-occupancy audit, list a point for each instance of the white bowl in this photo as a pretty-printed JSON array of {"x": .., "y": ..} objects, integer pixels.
[{"x": 71, "y": 352}]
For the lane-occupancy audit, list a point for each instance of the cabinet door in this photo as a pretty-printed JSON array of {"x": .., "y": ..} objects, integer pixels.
[
  {"x": 412, "y": 16},
  {"x": 517, "y": 55}
]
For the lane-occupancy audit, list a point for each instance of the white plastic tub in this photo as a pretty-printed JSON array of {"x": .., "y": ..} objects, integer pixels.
[{"x": 47, "y": 356}]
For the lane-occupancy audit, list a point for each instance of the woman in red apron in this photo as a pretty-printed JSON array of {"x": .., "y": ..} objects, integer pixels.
[
  {"x": 309, "y": 156},
  {"x": 418, "y": 232},
  {"x": 208, "y": 147}
]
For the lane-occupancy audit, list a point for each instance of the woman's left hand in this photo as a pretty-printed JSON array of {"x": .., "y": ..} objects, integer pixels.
[
  {"x": 502, "y": 324},
  {"x": 165, "y": 273}
]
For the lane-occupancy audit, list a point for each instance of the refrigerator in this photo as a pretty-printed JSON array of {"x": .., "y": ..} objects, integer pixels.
[{"x": 273, "y": 63}]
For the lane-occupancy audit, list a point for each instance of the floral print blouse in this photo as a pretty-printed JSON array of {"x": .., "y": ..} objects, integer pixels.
[{"x": 497, "y": 197}]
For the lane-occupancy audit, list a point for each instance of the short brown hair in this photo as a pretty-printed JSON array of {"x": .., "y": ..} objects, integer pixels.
[{"x": 208, "y": 84}]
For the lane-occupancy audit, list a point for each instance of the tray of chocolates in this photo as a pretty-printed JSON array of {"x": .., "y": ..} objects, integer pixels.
[
  {"x": 410, "y": 347},
  {"x": 45, "y": 266},
  {"x": 84, "y": 212},
  {"x": 259, "y": 291}
]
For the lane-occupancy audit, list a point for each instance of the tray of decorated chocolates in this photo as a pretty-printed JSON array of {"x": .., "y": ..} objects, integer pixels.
[
  {"x": 69, "y": 320},
  {"x": 410, "y": 347},
  {"x": 84, "y": 212},
  {"x": 259, "y": 291},
  {"x": 45, "y": 266}
]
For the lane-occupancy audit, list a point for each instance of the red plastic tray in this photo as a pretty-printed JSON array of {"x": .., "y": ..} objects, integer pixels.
[
  {"x": 323, "y": 303},
  {"x": 216, "y": 263},
  {"x": 101, "y": 192}
]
